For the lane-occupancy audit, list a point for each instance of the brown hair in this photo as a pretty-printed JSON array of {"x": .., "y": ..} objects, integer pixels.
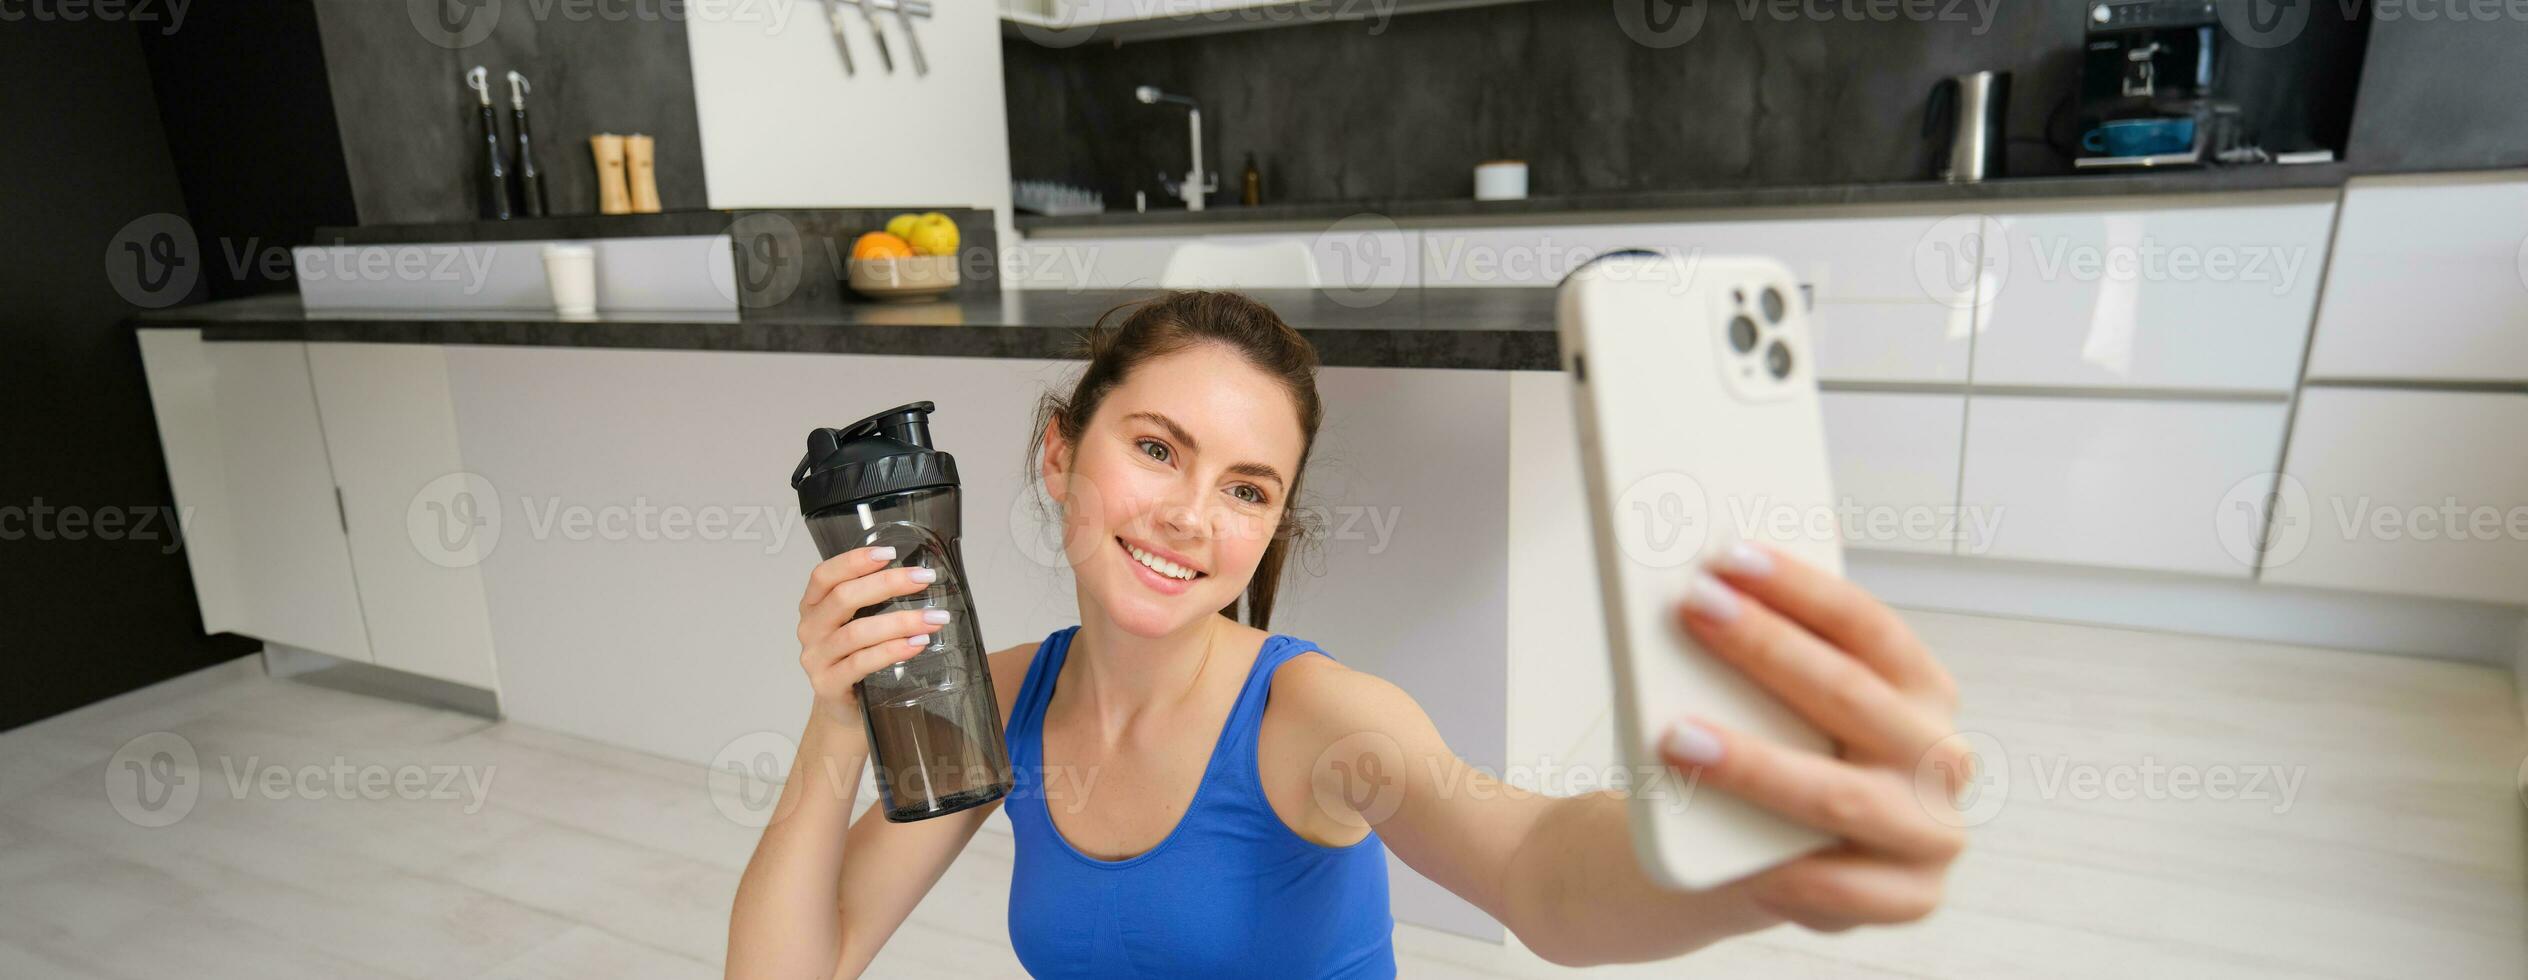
[{"x": 1176, "y": 321}]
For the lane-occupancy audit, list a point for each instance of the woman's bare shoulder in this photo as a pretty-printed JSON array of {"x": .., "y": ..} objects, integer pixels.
[{"x": 1326, "y": 694}]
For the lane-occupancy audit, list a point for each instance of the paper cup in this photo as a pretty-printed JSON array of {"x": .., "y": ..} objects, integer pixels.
[{"x": 570, "y": 271}]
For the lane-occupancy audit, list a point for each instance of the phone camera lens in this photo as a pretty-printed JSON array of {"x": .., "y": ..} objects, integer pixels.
[
  {"x": 1777, "y": 359},
  {"x": 1772, "y": 305},
  {"x": 1742, "y": 334}
]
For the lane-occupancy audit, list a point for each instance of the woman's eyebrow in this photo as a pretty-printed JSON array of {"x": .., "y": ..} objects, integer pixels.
[{"x": 1186, "y": 439}]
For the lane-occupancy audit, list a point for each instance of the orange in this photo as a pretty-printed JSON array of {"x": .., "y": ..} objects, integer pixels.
[{"x": 880, "y": 245}]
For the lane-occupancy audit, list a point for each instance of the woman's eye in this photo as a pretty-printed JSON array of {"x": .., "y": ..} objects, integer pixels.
[
  {"x": 1154, "y": 449},
  {"x": 1248, "y": 493}
]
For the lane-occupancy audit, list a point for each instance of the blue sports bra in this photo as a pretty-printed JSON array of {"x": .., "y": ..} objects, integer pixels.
[{"x": 1230, "y": 892}]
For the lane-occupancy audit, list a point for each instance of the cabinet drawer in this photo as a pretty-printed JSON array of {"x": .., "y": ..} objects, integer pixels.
[
  {"x": 2412, "y": 492},
  {"x": 1347, "y": 257},
  {"x": 2211, "y": 298},
  {"x": 2123, "y": 483},
  {"x": 1895, "y": 468},
  {"x": 1876, "y": 319},
  {"x": 2430, "y": 281}
]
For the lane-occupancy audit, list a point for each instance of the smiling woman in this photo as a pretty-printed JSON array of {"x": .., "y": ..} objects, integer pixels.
[{"x": 1197, "y": 795}]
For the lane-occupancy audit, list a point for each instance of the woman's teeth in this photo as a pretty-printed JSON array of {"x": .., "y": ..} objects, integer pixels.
[{"x": 1161, "y": 565}]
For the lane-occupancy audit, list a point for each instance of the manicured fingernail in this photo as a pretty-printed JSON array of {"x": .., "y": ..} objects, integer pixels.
[
  {"x": 1744, "y": 559},
  {"x": 924, "y": 574},
  {"x": 1690, "y": 743},
  {"x": 1706, "y": 597},
  {"x": 882, "y": 553},
  {"x": 935, "y": 616},
  {"x": 917, "y": 640}
]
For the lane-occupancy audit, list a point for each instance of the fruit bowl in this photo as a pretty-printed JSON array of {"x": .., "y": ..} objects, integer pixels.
[{"x": 903, "y": 278}]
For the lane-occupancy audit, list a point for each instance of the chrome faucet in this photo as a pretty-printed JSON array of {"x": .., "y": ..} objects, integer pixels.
[{"x": 1198, "y": 181}]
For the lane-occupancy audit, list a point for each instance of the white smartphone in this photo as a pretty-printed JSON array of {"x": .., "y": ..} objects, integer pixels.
[{"x": 1696, "y": 399}]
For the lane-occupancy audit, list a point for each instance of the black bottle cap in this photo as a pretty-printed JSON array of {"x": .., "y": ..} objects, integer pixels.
[{"x": 886, "y": 453}]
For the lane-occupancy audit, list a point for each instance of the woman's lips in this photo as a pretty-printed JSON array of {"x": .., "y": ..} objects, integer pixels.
[{"x": 1150, "y": 577}]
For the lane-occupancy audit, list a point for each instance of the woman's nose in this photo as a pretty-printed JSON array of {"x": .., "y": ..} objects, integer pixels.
[{"x": 1181, "y": 516}]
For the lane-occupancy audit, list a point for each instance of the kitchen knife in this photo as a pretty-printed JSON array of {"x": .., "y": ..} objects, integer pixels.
[
  {"x": 868, "y": 12},
  {"x": 842, "y": 41}
]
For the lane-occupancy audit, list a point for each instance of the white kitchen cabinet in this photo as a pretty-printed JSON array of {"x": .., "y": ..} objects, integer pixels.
[
  {"x": 182, "y": 397},
  {"x": 246, "y": 456},
  {"x": 417, "y": 525},
  {"x": 2430, "y": 281},
  {"x": 1362, "y": 258},
  {"x": 1895, "y": 459},
  {"x": 1067, "y": 23},
  {"x": 1880, "y": 312},
  {"x": 2411, "y": 492},
  {"x": 2124, "y": 483},
  {"x": 2156, "y": 296}
]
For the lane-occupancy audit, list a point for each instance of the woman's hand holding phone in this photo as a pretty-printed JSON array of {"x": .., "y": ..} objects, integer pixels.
[
  {"x": 838, "y": 647},
  {"x": 1847, "y": 664}
]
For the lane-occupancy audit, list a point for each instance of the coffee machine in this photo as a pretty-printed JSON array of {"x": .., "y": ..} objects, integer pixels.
[{"x": 2148, "y": 79}]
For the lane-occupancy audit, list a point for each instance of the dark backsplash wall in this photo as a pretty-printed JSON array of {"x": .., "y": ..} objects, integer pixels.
[
  {"x": 409, "y": 124},
  {"x": 2443, "y": 94},
  {"x": 1337, "y": 112}
]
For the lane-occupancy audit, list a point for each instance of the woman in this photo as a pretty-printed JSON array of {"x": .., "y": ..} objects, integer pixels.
[{"x": 1147, "y": 847}]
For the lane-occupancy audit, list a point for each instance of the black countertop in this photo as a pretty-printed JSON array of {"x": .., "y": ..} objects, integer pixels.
[
  {"x": 1479, "y": 328},
  {"x": 2119, "y": 184}
]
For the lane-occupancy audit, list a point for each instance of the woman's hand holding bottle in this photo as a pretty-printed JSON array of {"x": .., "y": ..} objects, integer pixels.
[{"x": 838, "y": 647}]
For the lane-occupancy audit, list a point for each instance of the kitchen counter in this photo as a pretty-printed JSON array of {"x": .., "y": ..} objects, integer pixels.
[
  {"x": 1479, "y": 328},
  {"x": 1454, "y": 210}
]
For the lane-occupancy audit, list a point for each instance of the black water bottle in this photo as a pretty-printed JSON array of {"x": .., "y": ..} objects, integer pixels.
[{"x": 935, "y": 733}]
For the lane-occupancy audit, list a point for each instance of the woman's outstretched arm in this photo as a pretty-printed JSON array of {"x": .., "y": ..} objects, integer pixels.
[{"x": 1561, "y": 874}]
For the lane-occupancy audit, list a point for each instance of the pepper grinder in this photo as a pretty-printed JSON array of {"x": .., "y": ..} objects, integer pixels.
[
  {"x": 531, "y": 200},
  {"x": 493, "y": 173},
  {"x": 640, "y": 158},
  {"x": 614, "y": 196}
]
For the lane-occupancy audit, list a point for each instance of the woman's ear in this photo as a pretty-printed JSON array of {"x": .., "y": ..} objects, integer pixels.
[{"x": 1056, "y": 463}]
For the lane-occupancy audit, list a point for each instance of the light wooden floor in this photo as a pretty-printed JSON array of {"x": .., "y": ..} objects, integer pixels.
[{"x": 2399, "y": 856}]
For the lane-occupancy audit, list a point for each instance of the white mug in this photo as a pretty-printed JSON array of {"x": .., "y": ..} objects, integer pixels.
[
  {"x": 570, "y": 271},
  {"x": 1501, "y": 180}
]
